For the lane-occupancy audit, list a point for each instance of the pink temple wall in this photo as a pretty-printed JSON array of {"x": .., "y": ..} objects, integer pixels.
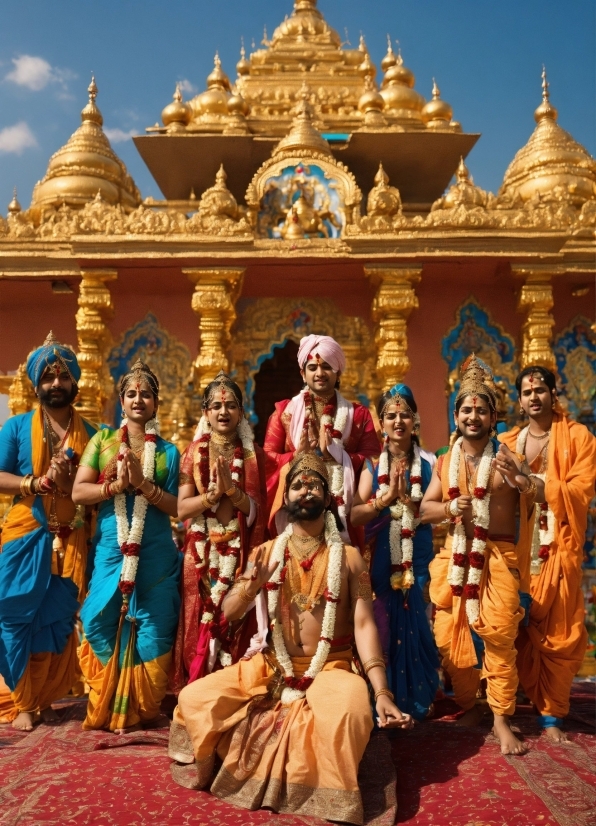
[{"x": 28, "y": 310}]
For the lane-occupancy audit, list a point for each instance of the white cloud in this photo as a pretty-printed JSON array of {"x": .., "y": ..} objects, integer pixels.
[
  {"x": 120, "y": 135},
  {"x": 17, "y": 138},
  {"x": 35, "y": 73},
  {"x": 187, "y": 88}
]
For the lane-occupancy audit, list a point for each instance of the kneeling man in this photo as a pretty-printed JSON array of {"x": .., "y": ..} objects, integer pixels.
[{"x": 292, "y": 721}]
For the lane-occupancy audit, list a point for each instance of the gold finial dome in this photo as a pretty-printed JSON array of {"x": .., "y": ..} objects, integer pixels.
[
  {"x": 214, "y": 101},
  {"x": 177, "y": 114},
  {"x": 437, "y": 112},
  {"x": 552, "y": 164},
  {"x": 371, "y": 104},
  {"x": 303, "y": 134},
  {"x": 390, "y": 59},
  {"x": 463, "y": 191},
  {"x": 305, "y": 24},
  {"x": 86, "y": 165},
  {"x": 14, "y": 207},
  {"x": 397, "y": 89},
  {"x": 243, "y": 65}
]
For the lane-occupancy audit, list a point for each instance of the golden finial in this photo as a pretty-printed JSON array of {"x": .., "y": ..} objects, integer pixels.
[
  {"x": 243, "y": 65},
  {"x": 462, "y": 173},
  {"x": 50, "y": 340},
  {"x": 381, "y": 177},
  {"x": 546, "y": 109},
  {"x": 389, "y": 60},
  {"x": 437, "y": 112},
  {"x": 362, "y": 44},
  {"x": 177, "y": 114},
  {"x": 91, "y": 113},
  {"x": 436, "y": 90},
  {"x": 305, "y": 5},
  {"x": 303, "y": 133},
  {"x": 14, "y": 207},
  {"x": 218, "y": 78},
  {"x": 265, "y": 40}
]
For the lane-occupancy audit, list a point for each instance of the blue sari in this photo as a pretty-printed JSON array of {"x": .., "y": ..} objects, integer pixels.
[{"x": 407, "y": 641}]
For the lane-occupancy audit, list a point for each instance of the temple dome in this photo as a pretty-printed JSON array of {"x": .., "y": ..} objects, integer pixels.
[
  {"x": 177, "y": 114},
  {"x": 401, "y": 99},
  {"x": 303, "y": 134},
  {"x": 306, "y": 23},
  {"x": 552, "y": 162},
  {"x": 86, "y": 165},
  {"x": 213, "y": 101},
  {"x": 437, "y": 112}
]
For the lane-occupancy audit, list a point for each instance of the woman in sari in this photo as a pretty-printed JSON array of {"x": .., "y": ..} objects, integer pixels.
[
  {"x": 222, "y": 491},
  {"x": 129, "y": 616},
  {"x": 387, "y": 503}
]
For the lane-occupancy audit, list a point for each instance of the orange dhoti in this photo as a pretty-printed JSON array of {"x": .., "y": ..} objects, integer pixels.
[
  {"x": 497, "y": 625},
  {"x": 301, "y": 759}
]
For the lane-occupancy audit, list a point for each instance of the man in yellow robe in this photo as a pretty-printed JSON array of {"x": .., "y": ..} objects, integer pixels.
[
  {"x": 563, "y": 453},
  {"x": 291, "y": 720},
  {"x": 44, "y": 542},
  {"x": 478, "y": 578}
]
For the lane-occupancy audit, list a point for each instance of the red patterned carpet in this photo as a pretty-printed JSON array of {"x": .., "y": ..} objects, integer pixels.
[{"x": 446, "y": 776}]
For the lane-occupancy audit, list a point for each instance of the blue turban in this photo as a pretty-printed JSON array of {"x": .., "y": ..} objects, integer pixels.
[
  {"x": 404, "y": 391},
  {"x": 50, "y": 352}
]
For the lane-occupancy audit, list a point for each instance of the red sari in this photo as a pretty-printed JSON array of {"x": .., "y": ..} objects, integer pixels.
[{"x": 192, "y": 639}]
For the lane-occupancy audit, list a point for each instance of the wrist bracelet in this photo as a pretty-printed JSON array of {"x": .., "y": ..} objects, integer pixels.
[
  {"x": 385, "y": 691},
  {"x": 231, "y": 491},
  {"x": 374, "y": 662},
  {"x": 242, "y": 592}
]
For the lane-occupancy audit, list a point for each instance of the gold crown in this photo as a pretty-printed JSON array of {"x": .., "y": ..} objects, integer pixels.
[
  {"x": 139, "y": 373},
  {"x": 307, "y": 462},
  {"x": 476, "y": 379}
]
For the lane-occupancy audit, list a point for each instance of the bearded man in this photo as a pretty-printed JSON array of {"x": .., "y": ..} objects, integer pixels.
[
  {"x": 44, "y": 541},
  {"x": 477, "y": 578},
  {"x": 319, "y": 420},
  {"x": 291, "y": 720},
  {"x": 563, "y": 454}
]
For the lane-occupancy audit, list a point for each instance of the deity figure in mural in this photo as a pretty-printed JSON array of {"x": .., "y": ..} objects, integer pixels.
[
  {"x": 130, "y": 614},
  {"x": 480, "y": 580},
  {"x": 222, "y": 490},
  {"x": 44, "y": 541},
  {"x": 320, "y": 420},
  {"x": 387, "y": 503},
  {"x": 562, "y": 453},
  {"x": 291, "y": 720}
]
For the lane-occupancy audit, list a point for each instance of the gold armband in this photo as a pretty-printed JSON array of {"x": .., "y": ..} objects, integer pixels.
[{"x": 374, "y": 662}]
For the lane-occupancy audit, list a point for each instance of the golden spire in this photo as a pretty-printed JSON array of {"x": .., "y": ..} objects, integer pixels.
[
  {"x": 463, "y": 191},
  {"x": 86, "y": 165},
  {"x": 402, "y": 102},
  {"x": 303, "y": 134},
  {"x": 177, "y": 114},
  {"x": 437, "y": 113},
  {"x": 218, "y": 78},
  {"x": 371, "y": 104},
  {"x": 243, "y": 65},
  {"x": 390, "y": 59},
  {"x": 14, "y": 207},
  {"x": 552, "y": 165}
]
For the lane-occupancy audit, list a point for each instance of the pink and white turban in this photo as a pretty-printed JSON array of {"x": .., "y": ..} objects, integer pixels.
[{"x": 326, "y": 348}]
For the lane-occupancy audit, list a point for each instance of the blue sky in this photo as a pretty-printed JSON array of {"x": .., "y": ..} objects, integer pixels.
[{"x": 487, "y": 57}]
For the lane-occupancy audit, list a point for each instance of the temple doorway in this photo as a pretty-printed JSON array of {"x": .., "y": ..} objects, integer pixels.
[{"x": 277, "y": 379}]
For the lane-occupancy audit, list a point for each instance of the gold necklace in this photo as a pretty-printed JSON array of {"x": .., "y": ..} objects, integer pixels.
[
  {"x": 221, "y": 445},
  {"x": 305, "y": 546},
  {"x": 538, "y": 438}
]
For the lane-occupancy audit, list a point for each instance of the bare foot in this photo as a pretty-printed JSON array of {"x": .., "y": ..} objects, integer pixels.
[
  {"x": 509, "y": 742},
  {"x": 23, "y": 721},
  {"x": 49, "y": 716},
  {"x": 471, "y": 717},
  {"x": 555, "y": 734},
  {"x": 128, "y": 729}
]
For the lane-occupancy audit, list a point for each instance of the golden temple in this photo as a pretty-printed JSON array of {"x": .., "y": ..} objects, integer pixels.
[{"x": 309, "y": 192}]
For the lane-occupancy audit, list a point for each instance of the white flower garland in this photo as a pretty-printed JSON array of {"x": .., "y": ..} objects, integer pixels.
[
  {"x": 403, "y": 522},
  {"x": 335, "y": 470},
  {"x": 130, "y": 536},
  {"x": 222, "y": 567},
  {"x": 544, "y": 521},
  {"x": 278, "y": 554},
  {"x": 480, "y": 519}
]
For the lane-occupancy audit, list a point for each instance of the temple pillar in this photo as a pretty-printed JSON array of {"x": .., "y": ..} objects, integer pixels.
[
  {"x": 392, "y": 305},
  {"x": 95, "y": 310},
  {"x": 214, "y": 302},
  {"x": 536, "y": 301}
]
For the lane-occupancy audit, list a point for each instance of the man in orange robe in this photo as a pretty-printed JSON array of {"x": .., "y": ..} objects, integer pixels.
[
  {"x": 44, "y": 542},
  {"x": 478, "y": 578},
  {"x": 562, "y": 452}
]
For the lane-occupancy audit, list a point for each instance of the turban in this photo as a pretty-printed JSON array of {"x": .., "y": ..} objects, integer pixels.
[
  {"x": 399, "y": 393},
  {"x": 52, "y": 352},
  {"x": 326, "y": 348}
]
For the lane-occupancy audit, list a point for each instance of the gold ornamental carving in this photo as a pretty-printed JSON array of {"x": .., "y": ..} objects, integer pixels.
[
  {"x": 18, "y": 387},
  {"x": 214, "y": 302},
  {"x": 96, "y": 387},
  {"x": 391, "y": 308},
  {"x": 536, "y": 301}
]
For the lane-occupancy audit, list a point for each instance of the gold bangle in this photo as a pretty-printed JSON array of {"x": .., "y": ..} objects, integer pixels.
[
  {"x": 231, "y": 491},
  {"x": 24, "y": 485},
  {"x": 385, "y": 691},
  {"x": 374, "y": 662},
  {"x": 241, "y": 592},
  {"x": 379, "y": 504}
]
